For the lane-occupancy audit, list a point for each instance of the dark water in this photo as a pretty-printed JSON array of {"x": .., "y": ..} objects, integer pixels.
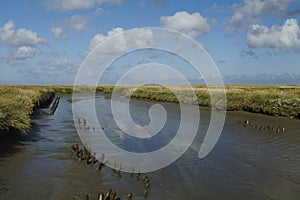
[{"x": 246, "y": 163}]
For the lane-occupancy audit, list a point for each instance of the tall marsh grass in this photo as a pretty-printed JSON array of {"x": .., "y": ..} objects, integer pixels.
[
  {"x": 16, "y": 106},
  {"x": 276, "y": 100},
  {"x": 17, "y": 102}
]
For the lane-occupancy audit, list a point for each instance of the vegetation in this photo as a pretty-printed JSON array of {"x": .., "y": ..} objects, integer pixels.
[
  {"x": 276, "y": 100},
  {"x": 16, "y": 106},
  {"x": 270, "y": 100},
  {"x": 17, "y": 102}
]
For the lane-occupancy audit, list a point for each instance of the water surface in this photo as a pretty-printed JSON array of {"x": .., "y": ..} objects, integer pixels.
[{"x": 246, "y": 163}]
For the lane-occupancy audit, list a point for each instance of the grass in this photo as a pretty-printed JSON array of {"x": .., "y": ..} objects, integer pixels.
[
  {"x": 17, "y": 102},
  {"x": 271, "y": 100},
  {"x": 276, "y": 100},
  {"x": 16, "y": 106}
]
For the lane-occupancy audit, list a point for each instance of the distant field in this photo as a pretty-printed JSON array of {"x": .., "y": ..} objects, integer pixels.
[{"x": 17, "y": 102}]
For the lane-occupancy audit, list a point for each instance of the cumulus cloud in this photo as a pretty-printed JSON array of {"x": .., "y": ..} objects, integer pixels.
[
  {"x": 24, "y": 52},
  {"x": 98, "y": 38},
  {"x": 279, "y": 38},
  {"x": 250, "y": 10},
  {"x": 58, "y": 65},
  {"x": 110, "y": 49},
  {"x": 66, "y": 64},
  {"x": 58, "y": 32},
  {"x": 191, "y": 24},
  {"x": 140, "y": 38},
  {"x": 75, "y": 23},
  {"x": 21, "y": 43},
  {"x": 21, "y": 37},
  {"x": 68, "y": 5}
]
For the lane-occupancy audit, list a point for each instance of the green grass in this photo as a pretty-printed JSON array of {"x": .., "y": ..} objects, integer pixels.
[
  {"x": 276, "y": 100},
  {"x": 271, "y": 100},
  {"x": 16, "y": 106},
  {"x": 17, "y": 102}
]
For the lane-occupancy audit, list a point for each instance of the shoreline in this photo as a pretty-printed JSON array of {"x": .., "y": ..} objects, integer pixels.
[
  {"x": 18, "y": 102},
  {"x": 272, "y": 100},
  {"x": 17, "y": 105}
]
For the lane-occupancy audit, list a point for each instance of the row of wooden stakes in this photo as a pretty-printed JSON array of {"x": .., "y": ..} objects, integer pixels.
[
  {"x": 82, "y": 124},
  {"x": 269, "y": 128},
  {"x": 85, "y": 155},
  {"x": 109, "y": 195}
]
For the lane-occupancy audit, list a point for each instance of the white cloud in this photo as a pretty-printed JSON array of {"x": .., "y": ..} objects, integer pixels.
[
  {"x": 58, "y": 32},
  {"x": 21, "y": 43},
  {"x": 98, "y": 38},
  {"x": 250, "y": 10},
  {"x": 140, "y": 38},
  {"x": 67, "y": 64},
  {"x": 24, "y": 52},
  {"x": 58, "y": 65},
  {"x": 279, "y": 38},
  {"x": 21, "y": 37},
  {"x": 111, "y": 49},
  {"x": 67, "y": 5},
  {"x": 76, "y": 23},
  {"x": 191, "y": 24}
]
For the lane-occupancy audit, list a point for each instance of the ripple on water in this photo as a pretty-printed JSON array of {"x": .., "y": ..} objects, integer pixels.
[{"x": 246, "y": 163}]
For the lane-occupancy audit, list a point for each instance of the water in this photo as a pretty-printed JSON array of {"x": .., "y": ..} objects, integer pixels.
[{"x": 246, "y": 163}]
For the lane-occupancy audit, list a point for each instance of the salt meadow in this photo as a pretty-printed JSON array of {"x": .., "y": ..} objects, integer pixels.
[
  {"x": 17, "y": 102},
  {"x": 260, "y": 136}
]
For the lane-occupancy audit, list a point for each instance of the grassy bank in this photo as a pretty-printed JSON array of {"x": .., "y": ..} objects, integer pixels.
[
  {"x": 17, "y": 102},
  {"x": 276, "y": 100},
  {"x": 16, "y": 106}
]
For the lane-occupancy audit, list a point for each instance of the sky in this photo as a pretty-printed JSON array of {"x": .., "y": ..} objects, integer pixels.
[{"x": 250, "y": 41}]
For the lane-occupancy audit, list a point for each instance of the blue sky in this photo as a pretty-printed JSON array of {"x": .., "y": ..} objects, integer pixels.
[{"x": 251, "y": 41}]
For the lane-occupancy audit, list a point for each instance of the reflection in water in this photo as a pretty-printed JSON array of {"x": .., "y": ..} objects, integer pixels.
[{"x": 245, "y": 164}]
